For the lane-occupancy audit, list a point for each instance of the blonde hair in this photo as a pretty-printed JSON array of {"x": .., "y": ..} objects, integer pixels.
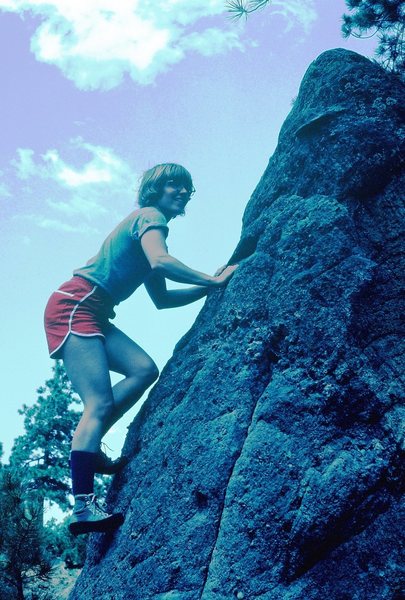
[{"x": 154, "y": 179}]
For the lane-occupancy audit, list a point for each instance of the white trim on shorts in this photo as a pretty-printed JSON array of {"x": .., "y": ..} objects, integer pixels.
[
  {"x": 64, "y": 293},
  {"x": 71, "y": 319}
]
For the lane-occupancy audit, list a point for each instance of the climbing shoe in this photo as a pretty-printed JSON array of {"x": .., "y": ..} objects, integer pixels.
[
  {"x": 88, "y": 515},
  {"x": 106, "y": 466}
]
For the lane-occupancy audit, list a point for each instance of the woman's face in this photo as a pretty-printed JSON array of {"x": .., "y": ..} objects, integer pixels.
[{"x": 174, "y": 198}]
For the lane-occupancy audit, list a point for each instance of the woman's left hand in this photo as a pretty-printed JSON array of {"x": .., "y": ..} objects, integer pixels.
[
  {"x": 225, "y": 276},
  {"x": 220, "y": 270}
]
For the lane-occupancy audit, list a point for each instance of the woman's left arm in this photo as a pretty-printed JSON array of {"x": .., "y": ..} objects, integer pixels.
[{"x": 164, "y": 298}]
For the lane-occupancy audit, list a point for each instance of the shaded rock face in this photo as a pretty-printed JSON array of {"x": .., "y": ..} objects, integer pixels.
[{"x": 266, "y": 460}]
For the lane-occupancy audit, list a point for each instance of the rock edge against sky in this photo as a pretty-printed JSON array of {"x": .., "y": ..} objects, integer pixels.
[{"x": 265, "y": 463}]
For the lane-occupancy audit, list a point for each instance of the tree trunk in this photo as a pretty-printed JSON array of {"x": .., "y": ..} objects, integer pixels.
[{"x": 20, "y": 587}]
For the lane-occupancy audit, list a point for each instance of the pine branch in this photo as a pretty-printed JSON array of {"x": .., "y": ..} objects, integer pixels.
[
  {"x": 240, "y": 8},
  {"x": 386, "y": 20},
  {"x": 237, "y": 9}
]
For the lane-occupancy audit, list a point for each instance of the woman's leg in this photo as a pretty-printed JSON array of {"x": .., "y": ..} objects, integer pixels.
[
  {"x": 87, "y": 361},
  {"x": 127, "y": 358},
  {"x": 86, "y": 365}
]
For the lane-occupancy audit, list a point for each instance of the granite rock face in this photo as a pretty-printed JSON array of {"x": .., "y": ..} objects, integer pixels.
[{"x": 265, "y": 463}]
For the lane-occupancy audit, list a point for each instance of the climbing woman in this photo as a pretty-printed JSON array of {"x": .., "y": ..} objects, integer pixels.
[{"x": 79, "y": 331}]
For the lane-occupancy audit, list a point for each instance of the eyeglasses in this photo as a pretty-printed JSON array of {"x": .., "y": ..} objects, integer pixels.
[{"x": 179, "y": 184}]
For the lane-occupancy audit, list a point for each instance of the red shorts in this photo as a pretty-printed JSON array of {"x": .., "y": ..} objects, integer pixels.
[{"x": 78, "y": 307}]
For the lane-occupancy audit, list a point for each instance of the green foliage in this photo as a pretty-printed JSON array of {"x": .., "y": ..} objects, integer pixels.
[
  {"x": 39, "y": 472},
  {"x": 65, "y": 546},
  {"x": 386, "y": 20},
  {"x": 28, "y": 549},
  {"x": 42, "y": 452},
  {"x": 25, "y": 547}
]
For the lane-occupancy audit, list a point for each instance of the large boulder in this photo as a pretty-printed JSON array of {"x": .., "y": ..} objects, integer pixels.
[{"x": 265, "y": 463}]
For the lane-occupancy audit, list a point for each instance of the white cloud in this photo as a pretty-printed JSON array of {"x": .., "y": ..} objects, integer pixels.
[
  {"x": 24, "y": 165},
  {"x": 4, "y": 191},
  {"x": 81, "y": 193},
  {"x": 103, "y": 168},
  {"x": 211, "y": 41},
  {"x": 78, "y": 205},
  {"x": 96, "y": 43},
  {"x": 295, "y": 12},
  {"x": 56, "y": 225},
  {"x": 90, "y": 174}
]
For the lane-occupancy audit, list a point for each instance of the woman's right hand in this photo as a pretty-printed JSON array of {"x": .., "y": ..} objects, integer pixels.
[{"x": 225, "y": 275}]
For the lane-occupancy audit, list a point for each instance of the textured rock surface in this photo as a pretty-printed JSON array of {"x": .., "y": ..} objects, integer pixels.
[{"x": 266, "y": 461}]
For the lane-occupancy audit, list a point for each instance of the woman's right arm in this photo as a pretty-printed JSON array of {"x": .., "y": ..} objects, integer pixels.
[
  {"x": 163, "y": 298},
  {"x": 155, "y": 249}
]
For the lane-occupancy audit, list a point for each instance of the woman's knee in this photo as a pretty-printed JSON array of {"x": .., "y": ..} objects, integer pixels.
[
  {"x": 145, "y": 373},
  {"x": 99, "y": 411},
  {"x": 149, "y": 373}
]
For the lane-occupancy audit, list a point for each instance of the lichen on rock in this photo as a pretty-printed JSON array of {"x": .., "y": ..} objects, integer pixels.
[{"x": 266, "y": 462}]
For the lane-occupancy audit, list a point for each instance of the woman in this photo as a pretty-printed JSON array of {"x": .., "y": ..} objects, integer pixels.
[{"x": 80, "y": 333}]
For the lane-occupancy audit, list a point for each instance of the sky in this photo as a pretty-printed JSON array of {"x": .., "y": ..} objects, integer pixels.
[{"x": 95, "y": 92}]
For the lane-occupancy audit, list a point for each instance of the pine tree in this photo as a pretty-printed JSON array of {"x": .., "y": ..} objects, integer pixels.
[
  {"x": 24, "y": 545},
  {"x": 39, "y": 472},
  {"x": 41, "y": 454},
  {"x": 386, "y": 20}
]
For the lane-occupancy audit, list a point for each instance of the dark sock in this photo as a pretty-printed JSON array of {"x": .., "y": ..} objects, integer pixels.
[{"x": 82, "y": 468}]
